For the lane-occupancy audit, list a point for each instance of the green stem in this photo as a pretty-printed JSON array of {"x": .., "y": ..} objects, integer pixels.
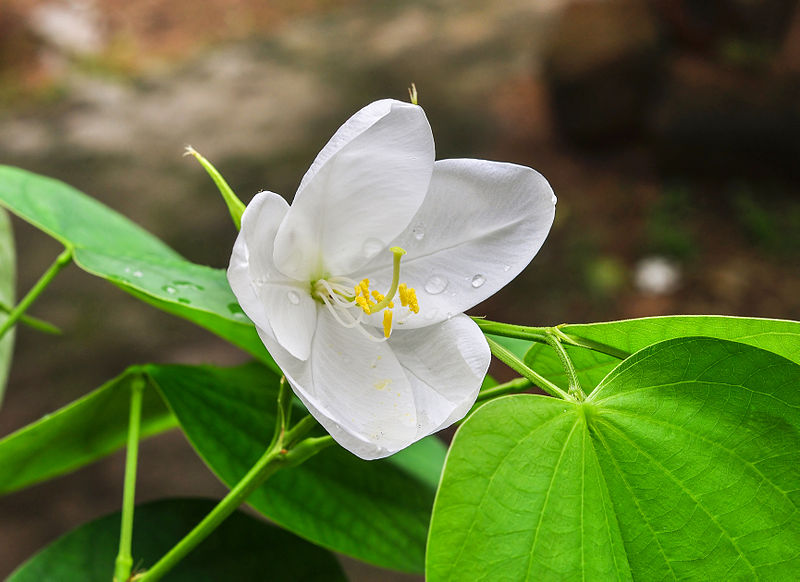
[
  {"x": 124, "y": 562},
  {"x": 268, "y": 464},
  {"x": 588, "y": 344},
  {"x": 516, "y": 385},
  {"x": 512, "y": 361},
  {"x": 275, "y": 458},
  {"x": 61, "y": 261},
  {"x": 536, "y": 334},
  {"x": 569, "y": 368},
  {"x": 32, "y": 322}
]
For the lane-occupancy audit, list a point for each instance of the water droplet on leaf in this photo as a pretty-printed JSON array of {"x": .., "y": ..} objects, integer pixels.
[
  {"x": 169, "y": 289},
  {"x": 138, "y": 274},
  {"x": 435, "y": 285}
]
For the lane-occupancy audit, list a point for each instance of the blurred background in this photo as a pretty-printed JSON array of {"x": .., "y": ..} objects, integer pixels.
[{"x": 670, "y": 131}]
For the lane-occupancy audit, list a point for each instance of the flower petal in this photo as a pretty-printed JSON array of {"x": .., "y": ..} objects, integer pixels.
[
  {"x": 446, "y": 364},
  {"x": 354, "y": 387},
  {"x": 480, "y": 225},
  {"x": 361, "y": 191},
  {"x": 376, "y": 399},
  {"x": 270, "y": 299}
]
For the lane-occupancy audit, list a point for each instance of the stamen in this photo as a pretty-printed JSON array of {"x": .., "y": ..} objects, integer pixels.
[
  {"x": 403, "y": 291},
  {"x": 387, "y": 323}
]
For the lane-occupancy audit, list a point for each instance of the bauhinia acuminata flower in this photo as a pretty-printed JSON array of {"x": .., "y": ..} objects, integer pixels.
[{"x": 358, "y": 288}]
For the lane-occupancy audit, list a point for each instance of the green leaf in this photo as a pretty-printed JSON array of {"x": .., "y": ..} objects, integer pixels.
[
  {"x": 376, "y": 511},
  {"x": 779, "y": 336},
  {"x": 683, "y": 463},
  {"x": 7, "y": 282},
  {"x": 81, "y": 432},
  {"x": 108, "y": 245},
  {"x": 242, "y": 548}
]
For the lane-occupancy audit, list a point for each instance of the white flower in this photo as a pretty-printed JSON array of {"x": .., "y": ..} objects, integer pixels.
[{"x": 379, "y": 377}]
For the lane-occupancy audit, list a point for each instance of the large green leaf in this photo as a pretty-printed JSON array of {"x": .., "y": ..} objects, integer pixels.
[
  {"x": 106, "y": 244},
  {"x": 7, "y": 282},
  {"x": 77, "y": 434},
  {"x": 242, "y": 548},
  {"x": 684, "y": 463},
  {"x": 776, "y": 335},
  {"x": 376, "y": 511}
]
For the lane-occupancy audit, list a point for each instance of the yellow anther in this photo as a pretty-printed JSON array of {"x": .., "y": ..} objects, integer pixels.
[
  {"x": 362, "y": 303},
  {"x": 413, "y": 305},
  {"x": 403, "y": 291},
  {"x": 391, "y": 304},
  {"x": 364, "y": 287},
  {"x": 387, "y": 322},
  {"x": 377, "y": 296}
]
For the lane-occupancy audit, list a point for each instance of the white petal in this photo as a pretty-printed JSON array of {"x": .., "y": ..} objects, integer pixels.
[
  {"x": 270, "y": 299},
  {"x": 361, "y": 192},
  {"x": 354, "y": 387},
  {"x": 480, "y": 225},
  {"x": 446, "y": 364},
  {"x": 377, "y": 399}
]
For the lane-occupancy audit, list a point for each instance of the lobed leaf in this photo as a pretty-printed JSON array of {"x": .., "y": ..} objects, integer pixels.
[
  {"x": 683, "y": 463},
  {"x": 242, "y": 548},
  {"x": 775, "y": 335}
]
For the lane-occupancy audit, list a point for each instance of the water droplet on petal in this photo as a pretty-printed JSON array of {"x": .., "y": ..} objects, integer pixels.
[
  {"x": 372, "y": 246},
  {"x": 294, "y": 298},
  {"x": 478, "y": 280},
  {"x": 418, "y": 231},
  {"x": 435, "y": 285},
  {"x": 506, "y": 268}
]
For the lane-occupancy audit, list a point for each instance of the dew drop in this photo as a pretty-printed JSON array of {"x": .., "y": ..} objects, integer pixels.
[
  {"x": 418, "y": 231},
  {"x": 169, "y": 289},
  {"x": 189, "y": 285},
  {"x": 138, "y": 274},
  {"x": 372, "y": 246},
  {"x": 477, "y": 281},
  {"x": 506, "y": 268},
  {"x": 294, "y": 298},
  {"x": 435, "y": 285}
]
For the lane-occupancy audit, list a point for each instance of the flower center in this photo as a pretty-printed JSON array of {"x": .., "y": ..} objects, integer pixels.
[{"x": 335, "y": 293}]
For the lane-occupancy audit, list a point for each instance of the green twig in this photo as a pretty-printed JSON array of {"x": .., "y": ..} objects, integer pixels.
[
  {"x": 569, "y": 368},
  {"x": 588, "y": 344},
  {"x": 281, "y": 453},
  {"x": 61, "y": 261},
  {"x": 32, "y": 322},
  {"x": 124, "y": 561},
  {"x": 535, "y": 334},
  {"x": 515, "y": 363}
]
